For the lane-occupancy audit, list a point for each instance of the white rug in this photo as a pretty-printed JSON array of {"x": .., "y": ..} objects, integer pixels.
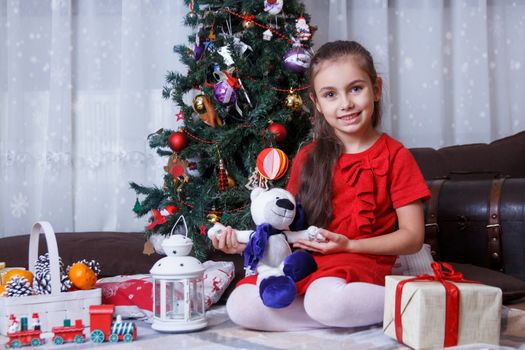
[{"x": 222, "y": 334}]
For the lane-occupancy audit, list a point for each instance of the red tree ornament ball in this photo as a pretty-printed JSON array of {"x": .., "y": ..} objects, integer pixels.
[
  {"x": 177, "y": 141},
  {"x": 279, "y": 130}
]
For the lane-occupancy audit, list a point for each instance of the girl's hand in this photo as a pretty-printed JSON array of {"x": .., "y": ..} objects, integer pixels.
[
  {"x": 227, "y": 242},
  {"x": 334, "y": 243}
]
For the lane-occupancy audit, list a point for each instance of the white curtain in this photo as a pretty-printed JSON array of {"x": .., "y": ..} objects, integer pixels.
[
  {"x": 452, "y": 68},
  {"x": 80, "y": 89}
]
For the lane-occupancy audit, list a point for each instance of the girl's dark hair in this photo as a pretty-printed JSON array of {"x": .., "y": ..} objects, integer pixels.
[{"x": 315, "y": 186}]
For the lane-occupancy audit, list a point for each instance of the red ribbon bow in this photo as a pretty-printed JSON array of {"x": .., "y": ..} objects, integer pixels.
[
  {"x": 248, "y": 18},
  {"x": 232, "y": 81},
  {"x": 451, "y": 302}
]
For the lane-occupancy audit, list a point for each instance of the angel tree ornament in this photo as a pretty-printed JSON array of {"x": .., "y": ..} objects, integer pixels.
[
  {"x": 273, "y": 7},
  {"x": 297, "y": 59},
  {"x": 302, "y": 29},
  {"x": 204, "y": 107}
]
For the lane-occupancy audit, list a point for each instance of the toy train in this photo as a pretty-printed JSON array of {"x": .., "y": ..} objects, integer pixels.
[
  {"x": 67, "y": 333},
  {"x": 102, "y": 328},
  {"x": 19, "y": 334},
  {"x": 23, "y": 338}
]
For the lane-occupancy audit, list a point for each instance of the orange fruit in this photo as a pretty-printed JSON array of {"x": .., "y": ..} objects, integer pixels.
[
  {"x": 82, "y": 276},
  {"x": 18, "y": 272},
  {"x": 2, "y": 290}
]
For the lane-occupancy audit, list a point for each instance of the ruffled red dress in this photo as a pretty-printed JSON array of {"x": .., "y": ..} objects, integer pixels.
[{"x": 367, "y": 189}]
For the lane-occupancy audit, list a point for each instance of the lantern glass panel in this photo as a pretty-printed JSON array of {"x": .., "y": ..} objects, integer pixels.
[
  {"x": 175, "y": 299},
  {"x": 157, "y": 300},
  {"x": 196, "y": 297}
]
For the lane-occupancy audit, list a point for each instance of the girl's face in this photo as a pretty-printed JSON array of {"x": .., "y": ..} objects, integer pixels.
[{"x": 345, "y": 95}]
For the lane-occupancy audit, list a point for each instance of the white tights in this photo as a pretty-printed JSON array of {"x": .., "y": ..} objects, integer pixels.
[{"x": 328, "y": 302}]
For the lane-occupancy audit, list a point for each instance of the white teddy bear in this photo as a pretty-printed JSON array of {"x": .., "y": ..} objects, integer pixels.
[{"x": 268, "y": 251}]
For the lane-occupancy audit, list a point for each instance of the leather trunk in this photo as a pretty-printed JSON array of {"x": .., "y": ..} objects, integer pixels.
[{"x": 479, "y": 223}]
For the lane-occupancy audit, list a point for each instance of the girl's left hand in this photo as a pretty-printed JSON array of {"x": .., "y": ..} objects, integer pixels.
[{"x": 334, "y": 243}]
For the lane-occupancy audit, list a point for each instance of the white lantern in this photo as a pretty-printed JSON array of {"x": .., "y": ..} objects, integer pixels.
[{"x": 178, "y": 290}]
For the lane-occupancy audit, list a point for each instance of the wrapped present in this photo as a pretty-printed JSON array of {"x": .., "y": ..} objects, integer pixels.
[{"x": 441, "y": 310}]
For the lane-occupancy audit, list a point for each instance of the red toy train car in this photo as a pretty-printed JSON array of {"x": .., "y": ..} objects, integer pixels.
[
  {"x": 67, "y": 333},
  {"x": 19, "y": 333},
  {"x": 23, "y": 338},
  {"x": 103, "y": 328}
]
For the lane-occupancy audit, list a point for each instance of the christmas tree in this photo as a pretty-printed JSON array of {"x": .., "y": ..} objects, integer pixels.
[{"x": 244, "y": 119}]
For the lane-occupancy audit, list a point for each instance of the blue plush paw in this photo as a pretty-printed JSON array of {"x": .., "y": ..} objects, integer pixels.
[
  {"x": 299, "y": 264},
  {"x": 277, "y": 291}
]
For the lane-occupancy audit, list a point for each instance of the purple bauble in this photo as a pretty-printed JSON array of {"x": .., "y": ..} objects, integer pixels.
[
  {"x": 197, "y": 51},
  {"x": 224, "y": 93},
  {"x": 296, "y": 60}
]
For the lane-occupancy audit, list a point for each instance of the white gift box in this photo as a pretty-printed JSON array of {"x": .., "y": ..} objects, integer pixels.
[
  {"x": 423, "y": 305},
  {"x": 52, "y": 308}
]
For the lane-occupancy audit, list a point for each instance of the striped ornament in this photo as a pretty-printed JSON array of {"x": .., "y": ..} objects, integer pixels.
[{"x": 272, "y": 163}]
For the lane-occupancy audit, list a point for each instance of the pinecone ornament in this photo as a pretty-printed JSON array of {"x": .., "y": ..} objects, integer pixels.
[
  {"x": 42, "y": 283},
  {"x": 66, "y": 283},
  {"x": 18, "y": 287},
  {"x": 42, "y": 279},
  {"x": 42, "y": 264}
]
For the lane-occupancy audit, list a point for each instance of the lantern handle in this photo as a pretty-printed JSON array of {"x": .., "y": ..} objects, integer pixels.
[{"x": 176, "y": 222}]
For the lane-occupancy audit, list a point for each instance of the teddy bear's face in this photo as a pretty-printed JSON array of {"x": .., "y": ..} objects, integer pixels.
[{"x": 275, "y": 207}]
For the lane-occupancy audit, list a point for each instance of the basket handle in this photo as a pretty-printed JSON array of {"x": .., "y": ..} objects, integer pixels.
[{"x": 52, "y": 248}]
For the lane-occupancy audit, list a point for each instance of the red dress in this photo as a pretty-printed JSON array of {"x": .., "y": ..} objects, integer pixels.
[{"x": 367, "y": 188}]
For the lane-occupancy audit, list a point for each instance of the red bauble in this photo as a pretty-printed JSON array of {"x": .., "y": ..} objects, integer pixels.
[
  {"x": 177, "y": 141},
  {"x": 278, "y": 130}
]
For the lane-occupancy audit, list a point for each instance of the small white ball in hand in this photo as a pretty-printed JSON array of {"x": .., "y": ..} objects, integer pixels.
[{"x": 315, "y": 235}]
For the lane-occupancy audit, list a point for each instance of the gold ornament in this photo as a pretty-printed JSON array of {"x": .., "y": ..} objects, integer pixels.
[
  {"x": 192, "y": 16},
  {"x": 293, "y": 101},
  {"x": 212, "y": 36},
  {"x": 213, "y": 217},
  {"x": 198, "y": 104},
  {"x": 248, "y": 22},
  {"x": 231, "y": 182}
]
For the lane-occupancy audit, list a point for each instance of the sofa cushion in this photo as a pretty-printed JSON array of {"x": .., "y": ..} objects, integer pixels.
[
  {"x": 499, "y": 156},
  {"x": 118, "y": 253}
]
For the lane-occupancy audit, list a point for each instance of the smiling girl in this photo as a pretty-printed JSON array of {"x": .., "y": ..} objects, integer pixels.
[{"x": 362, "y": 186}]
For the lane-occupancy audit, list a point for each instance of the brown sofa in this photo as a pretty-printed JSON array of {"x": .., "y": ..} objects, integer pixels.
[{"x": 121, "y": 253}]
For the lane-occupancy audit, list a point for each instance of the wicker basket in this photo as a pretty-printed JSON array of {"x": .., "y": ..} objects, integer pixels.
[{"x": 52, "y": 308}]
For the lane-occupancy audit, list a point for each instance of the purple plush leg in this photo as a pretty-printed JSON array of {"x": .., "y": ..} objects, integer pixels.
[
  {"x": 299, "y": 264},
  {"x": 277, "y": 291}
]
